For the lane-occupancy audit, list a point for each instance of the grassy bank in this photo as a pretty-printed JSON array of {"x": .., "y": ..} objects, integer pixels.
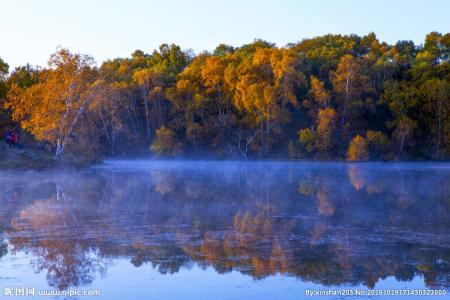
[{"x": 24, "y": 158}]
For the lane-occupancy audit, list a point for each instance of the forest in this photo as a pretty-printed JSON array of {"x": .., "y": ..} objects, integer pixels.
[{"x": 331, "y": 97}]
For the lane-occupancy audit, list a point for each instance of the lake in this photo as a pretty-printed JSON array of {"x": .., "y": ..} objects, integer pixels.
[{"x": 226, "y": 230}]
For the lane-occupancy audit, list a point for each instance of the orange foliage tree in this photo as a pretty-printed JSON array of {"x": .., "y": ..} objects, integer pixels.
[{"x": 51, "y": 109}]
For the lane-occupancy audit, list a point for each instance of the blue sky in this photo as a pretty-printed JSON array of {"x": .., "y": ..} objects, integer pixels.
[{"x": 31, "y": 30}]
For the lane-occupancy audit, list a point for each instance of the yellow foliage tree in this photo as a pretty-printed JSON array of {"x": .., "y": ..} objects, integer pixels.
[
  {"x": 325, "y": 129},
  {"x": 349, "y": 82},
  {"x": 50, "y": 109},
  {"x": 320, "y": 93},
  {"x": 165, "y": 143},
  {"x": 357, "y": 150},
  {"x": 266, "y": 86}
]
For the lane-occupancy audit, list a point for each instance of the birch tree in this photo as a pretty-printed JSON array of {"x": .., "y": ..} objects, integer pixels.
[
  {"x": 349, "y": 83},
  {"x": 51, "y": 108}
]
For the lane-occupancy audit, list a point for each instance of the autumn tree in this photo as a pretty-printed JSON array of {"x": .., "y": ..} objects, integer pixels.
[
  {"x": 146, "y": 81},
  {"x": 325, "y": 129},
  {"x": 165, "y": 143},
  {"x": 357, "y": 150},
  {"x": 308, "y": 139},
  {"x": 321, "y": 95},
  {"x": 266, "y": 87},
  {"x": 436, "y": 94},
  {"x": 403, "y": 134},
  {"x": 311, "y": 99},
  {"x": 195, "y": 106},
  {"x": 3, "y": 73},
  {"x": 402, "y": 100},
  {"x": 4, "y": 116},
  {"x": 349, "y": 83},
  {"x": 109, "y": 112},
  {"x": 51, "y": 108}
]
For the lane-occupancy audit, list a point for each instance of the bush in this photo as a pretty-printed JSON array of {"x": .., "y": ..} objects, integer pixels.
[
  {"x": 357, "y": 150},
  {"x": 307, "y": 139},
  {"x": 165, "y": 143}
]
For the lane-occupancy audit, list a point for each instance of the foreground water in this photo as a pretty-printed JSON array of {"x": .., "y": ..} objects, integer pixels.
[{"x": 226, "y": 230}]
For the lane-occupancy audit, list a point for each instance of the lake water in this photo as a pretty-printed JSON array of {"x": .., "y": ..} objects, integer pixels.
[{"x": 226, "y": 230}]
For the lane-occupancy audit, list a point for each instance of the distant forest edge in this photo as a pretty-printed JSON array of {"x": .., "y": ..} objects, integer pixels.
[{"x": 328, "y": 97}]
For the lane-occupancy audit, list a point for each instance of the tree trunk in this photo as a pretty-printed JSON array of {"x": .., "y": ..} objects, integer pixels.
[
  {"x": 267, "y": 135},
  {"x": 113, "y": 139},
  {"x": 346, "y": 101},
  {"x": 147, "y": 120},
  {"x": 59, "y": 149},
  {"x": 262, "y": 137},
  {"x": 61, "y": 143}
]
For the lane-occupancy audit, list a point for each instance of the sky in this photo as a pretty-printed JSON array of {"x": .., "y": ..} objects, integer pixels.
[{"x": 31, "y": 30}]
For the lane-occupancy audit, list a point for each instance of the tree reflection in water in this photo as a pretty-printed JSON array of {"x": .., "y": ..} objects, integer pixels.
[{"x": 327, "y": 223}]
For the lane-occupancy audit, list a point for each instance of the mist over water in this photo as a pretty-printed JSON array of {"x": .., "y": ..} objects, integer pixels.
[{"x": 253, "y": 229}]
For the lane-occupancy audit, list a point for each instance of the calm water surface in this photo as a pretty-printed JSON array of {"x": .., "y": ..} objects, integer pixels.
[{"x": 226, "y": 230}]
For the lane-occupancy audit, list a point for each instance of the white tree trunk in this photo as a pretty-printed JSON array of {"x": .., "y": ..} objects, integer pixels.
[{"x": 59, "y": 149}]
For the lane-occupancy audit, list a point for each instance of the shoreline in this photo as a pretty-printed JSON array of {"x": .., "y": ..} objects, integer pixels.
[{"x": 32, "y": 159}]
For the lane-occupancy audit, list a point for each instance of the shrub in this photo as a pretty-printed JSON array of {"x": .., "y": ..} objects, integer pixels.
[
  {"x": 357, "y": 150},
  {"x": 307, "y": 139},
  {"x": 165, "y": 143}
]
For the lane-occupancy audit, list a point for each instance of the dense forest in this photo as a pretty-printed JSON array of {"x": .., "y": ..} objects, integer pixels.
[{"x": 328, "y": 97}]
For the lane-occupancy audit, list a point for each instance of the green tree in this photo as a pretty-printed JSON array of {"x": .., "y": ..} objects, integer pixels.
[
  {"x": 437, "y": 106},
  {"x": 4, "y": 117},
  {"x": 403, "y": 102}
]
